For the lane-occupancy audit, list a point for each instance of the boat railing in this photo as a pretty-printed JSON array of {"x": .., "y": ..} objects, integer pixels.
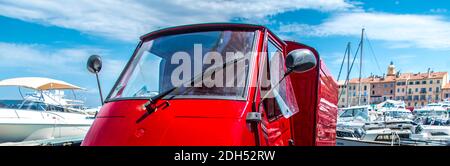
[{"x": 395, "y": 137}]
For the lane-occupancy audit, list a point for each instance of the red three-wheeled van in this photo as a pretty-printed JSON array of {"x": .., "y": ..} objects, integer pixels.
[{"x": 219, "y": 84}]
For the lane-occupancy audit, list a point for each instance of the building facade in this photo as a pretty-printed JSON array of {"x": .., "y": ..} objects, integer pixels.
[
  {"x": 446, "y": 92},
  {"x": 423, "y": 88},
  {"x": 353, "y": 96},
  {"x": 342, "y": 94},
  {"x": 382, "y": 89},
  {"x": 416, "y": 89}
]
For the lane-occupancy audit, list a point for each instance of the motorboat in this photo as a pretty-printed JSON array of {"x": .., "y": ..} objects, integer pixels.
[
  {"x": 432, "y": 114},
  {"x": 444, "y": 104},
  {"x": 356, "y": 116},
  {"x": 359, "y": 116},
  {"x": 366, "y": 113},
  {"x": 43, "y": 114},
  {"x": 394, "y": 134},
  {"x": 49, "y": 91},
  {"x": 361, "y": 126},
  {"x": 373, "y": 137},
  {"x": 434, "y": 123},
  {"x": 432, "y": 133},
  {"x": 391, "y": 104},
  {"x": 393, "y": 110}
]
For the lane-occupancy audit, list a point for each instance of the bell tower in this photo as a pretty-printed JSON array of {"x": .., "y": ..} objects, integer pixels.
[{"x": 391, "y": 69}]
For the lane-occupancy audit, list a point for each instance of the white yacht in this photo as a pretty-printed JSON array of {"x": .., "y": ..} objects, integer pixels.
[
  {"x": 432, "y": 133},
  {"x": 394, "y": 134},
  {"x": 44, "y": 114},
  {"x": 373, "y": 137},
  {"x": 356, "y": 116},
  {"x": 432, "y": 114},
  {"x": 393, "y": 110},
  {"x": 444, "y": 104}
]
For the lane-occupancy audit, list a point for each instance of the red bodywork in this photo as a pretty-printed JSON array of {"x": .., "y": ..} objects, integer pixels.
[{"x": 188, "y": 122}]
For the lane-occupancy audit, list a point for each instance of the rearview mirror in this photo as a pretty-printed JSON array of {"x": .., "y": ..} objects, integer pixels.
[
  {"x": 300, "y": 60},
  {"x": 94, "y": 64}
]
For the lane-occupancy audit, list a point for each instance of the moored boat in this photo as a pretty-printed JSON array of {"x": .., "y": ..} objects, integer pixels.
[{"x": 43, "y": 114}]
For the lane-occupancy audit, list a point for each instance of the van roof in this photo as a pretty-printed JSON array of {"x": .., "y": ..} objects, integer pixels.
[{"x": 202, "y": 27}]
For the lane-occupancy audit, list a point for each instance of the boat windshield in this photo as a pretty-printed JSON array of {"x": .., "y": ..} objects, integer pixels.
[
  {"x": 30, "y": 105},
  {"x": 426, "y": 113},
  {"x": 217, "y": 61},
  {"x": 14, "y": 104},
  {"x": 393, "y": 105},
  {"x": 355, "y": 113},
  {"x": 399, "y": 114}
]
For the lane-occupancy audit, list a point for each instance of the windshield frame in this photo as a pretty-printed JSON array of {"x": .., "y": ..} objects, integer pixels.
[{"x": 151, "y": 36}]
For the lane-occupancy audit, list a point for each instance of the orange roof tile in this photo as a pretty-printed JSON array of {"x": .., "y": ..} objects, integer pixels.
[
  {"x": 418, "y": 76},
  {"x": 403, "y": 76}
]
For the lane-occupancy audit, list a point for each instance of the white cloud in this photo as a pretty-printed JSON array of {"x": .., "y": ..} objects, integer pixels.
[
  {"x": 128, "y": 19},
  {"x": 423, "y": 31},
  {"x": 39, "y": 59},
  {"x": 69, "y": 64}
]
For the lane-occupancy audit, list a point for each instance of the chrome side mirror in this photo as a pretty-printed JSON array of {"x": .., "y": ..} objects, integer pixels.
[
  {"x": 94, "y": 64},
  {"x": 301, "y": 60}
]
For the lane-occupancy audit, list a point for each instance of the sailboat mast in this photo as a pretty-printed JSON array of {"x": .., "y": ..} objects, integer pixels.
[
  {"x": 348, "y": 73},
  {"x": 360, "y": 66}
]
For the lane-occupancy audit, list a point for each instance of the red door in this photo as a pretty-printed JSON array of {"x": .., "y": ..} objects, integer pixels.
[{"x": 276, "y": 102}]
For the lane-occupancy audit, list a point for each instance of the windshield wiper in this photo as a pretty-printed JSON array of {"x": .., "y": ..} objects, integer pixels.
[{"x": 150, "y": 106}]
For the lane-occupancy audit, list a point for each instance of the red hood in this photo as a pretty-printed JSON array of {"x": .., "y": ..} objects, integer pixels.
[{"x": 184, "y": 122}]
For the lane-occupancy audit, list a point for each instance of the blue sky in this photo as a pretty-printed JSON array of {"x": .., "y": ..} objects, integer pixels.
[{"x": 54, "y": 38}]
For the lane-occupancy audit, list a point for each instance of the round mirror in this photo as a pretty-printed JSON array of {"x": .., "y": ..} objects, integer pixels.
[
  {"x": 301, "y": 60},
  {"x": 94, "y": 64}
]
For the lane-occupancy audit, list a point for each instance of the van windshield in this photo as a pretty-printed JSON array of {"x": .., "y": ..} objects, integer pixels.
[{"x": 176, "y": 60}]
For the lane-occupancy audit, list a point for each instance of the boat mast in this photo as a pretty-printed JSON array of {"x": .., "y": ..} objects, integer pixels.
[
  {"x": 349, "y": 68},
  {"x": 360, "y": 66},
  {"x": 348, "y": 73}
]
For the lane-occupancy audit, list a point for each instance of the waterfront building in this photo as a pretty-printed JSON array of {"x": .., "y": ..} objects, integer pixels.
[
  {"x": 416, "y": 89},
  {"x": 446, "y": 92}
]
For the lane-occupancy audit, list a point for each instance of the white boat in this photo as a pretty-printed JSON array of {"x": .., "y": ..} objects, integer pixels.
[
  {"x": 388, "y": 112},
  {"x": 44, "y": 114},
  {"x": 444, "y": 104},
  {"x": 361, "y": 126},
  {"x": 374, "y": 137},
  {"x": 393, "y": 110},
  {"x": 403, "y": 133},
  {"x": 432, "y": 133},
  {"x": 356, "y": 116},
  {"x": 365, "y": 113},
  {"x": 432, "y": 114},
  {"x": 50, "y": 91}
]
